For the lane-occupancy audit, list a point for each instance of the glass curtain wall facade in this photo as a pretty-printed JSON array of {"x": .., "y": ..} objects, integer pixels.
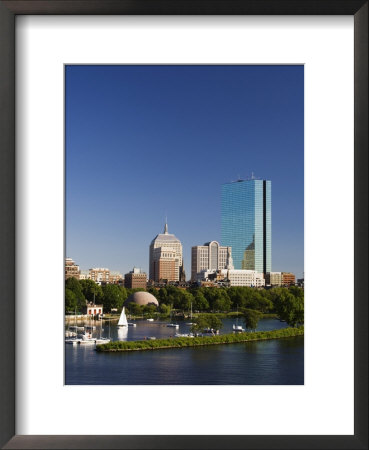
[{"x": 246, "y": 223}]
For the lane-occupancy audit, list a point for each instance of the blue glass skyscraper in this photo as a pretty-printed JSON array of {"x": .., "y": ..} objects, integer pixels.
[{"x": 246, "y": 223}]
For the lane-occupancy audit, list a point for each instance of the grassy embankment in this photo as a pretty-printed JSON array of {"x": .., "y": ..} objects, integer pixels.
[{"x": 126, "y": 346}]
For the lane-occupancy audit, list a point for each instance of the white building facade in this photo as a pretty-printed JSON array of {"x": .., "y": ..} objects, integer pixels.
[
  {"x": 99, "y": 274},
  {"x": 236, "y": 277}
]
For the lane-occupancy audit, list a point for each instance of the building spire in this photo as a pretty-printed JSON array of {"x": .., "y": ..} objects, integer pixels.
[{"x": 166, "y": 227}]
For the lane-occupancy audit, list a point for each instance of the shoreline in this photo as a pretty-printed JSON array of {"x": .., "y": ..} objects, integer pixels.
[{"x": 186, "y": 342}]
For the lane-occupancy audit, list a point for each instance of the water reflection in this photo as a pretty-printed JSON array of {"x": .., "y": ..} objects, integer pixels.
[
  {"x": 262, "y": 362},
  {"x": 122, "y": 333}
]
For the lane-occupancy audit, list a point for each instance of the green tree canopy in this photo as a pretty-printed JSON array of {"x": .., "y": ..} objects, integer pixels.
[
  {"x": 217, "y": 298},
  {"x": 288, "y": 306},
  {"x": 204, "y": 321},
  {"x": 237, "y": 296},
  {"x": 251, "y": 318},
  {"x": 73, "y": 285},
  {"x": 222, "y": 302},
  {"x": 150, "y": 309},
  {"x": 133, "y": 308},
  {"x": 70, "y": 301},
  {"x": 124, "y": 292},
  {"x": 112, "y": 297},
  {"x": 89, "y": 288},
  {"x": 199, "y": 302},
  {"x": 164, "y": 309},
  {"x": 184, "y": 300}
]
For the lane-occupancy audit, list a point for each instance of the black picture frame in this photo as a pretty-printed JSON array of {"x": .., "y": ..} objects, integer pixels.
[{"x": 8, "y": 11}]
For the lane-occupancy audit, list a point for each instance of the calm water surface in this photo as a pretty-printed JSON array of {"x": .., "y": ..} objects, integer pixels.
[{"x": 279, "y": 361}]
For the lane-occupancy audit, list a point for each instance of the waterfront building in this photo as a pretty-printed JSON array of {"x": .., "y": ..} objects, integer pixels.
[
  {"x": 93, "y": 310},
  {"x": 71, "y": 269},
  {"x": 246, "y": 223},
  {"x": 135, "y": 279},
  {"x": 99, "y": 275},
  {"x": 165, "y": 259},
  {"x": 288, "y": 279},
  {"x": 273, "y": 278},
  {"x": 210, "y": 256}
]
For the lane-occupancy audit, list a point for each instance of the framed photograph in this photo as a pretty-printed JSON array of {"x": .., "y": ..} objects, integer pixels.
[
  {"x": 206, "y": 281},
  {"x": 171, "y": 175}
]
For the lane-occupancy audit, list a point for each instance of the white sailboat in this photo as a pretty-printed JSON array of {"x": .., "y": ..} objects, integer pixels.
[
  {"x": 123, "y": 319},
  {"x": 237, "y": 328}
]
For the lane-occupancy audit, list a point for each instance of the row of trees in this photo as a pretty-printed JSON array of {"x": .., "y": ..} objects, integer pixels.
[
  {"x": 250, "y": 318},
  {"x": 287, "y": 303},
  {"x": 206, "y": 299},
  {"x": 78, "y": 292}
]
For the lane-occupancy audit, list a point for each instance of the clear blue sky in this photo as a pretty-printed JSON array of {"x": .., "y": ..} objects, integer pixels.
[{"x": 145, "y": 142}]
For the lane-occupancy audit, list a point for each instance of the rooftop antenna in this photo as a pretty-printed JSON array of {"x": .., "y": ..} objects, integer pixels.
[{"x": 166, "y": 225}]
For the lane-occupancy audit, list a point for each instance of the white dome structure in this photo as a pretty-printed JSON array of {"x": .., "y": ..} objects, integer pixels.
[{"x": 142, "y": 298}]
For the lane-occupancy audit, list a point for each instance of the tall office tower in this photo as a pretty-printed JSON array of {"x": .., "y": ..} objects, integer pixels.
[
  {"x": 210, "y": 256},
  {"x": 246, "y": 223},
  {"x": 165, "y": 257}
]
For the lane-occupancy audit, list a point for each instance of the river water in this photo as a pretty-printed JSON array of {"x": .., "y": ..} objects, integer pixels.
[{"x": 274, "y": 362}]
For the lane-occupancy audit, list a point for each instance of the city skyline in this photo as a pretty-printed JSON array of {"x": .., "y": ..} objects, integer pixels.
[{"x": 146, "y": 142}]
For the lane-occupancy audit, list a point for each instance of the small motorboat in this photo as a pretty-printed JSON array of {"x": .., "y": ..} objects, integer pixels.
[
  {"x": 188, "y": 335},
  {"x": 73, "y": 341},
  {"x": 209, "y": 331},
  {"x": 99, "y": 341}
]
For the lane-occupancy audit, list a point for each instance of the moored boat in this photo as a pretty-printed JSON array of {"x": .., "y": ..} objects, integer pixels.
[
  {"x": 72, "y": 341},
  {"x": 102, "y": 341},
  {"x": 189, "y": 335},
  {"x": 209, "y": 331}
]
